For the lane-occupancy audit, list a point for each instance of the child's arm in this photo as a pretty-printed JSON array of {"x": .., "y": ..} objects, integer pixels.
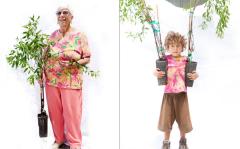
[
  {"x": 158, "y": 73},
  {"x": 193, "y": 75}
]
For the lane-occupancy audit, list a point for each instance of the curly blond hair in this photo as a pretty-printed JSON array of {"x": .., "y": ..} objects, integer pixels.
[{"x": 174, "y": 38}]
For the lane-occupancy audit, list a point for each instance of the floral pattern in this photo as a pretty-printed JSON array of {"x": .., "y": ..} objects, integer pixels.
[
  {"x": 175, "y": 75},
  {"x": 72, "y": 47}
]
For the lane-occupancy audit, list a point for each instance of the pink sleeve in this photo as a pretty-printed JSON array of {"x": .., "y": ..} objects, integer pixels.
[{"x": 85, "y": 51}]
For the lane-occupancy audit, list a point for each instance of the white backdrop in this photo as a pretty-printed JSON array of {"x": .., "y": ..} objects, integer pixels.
[
  {"x": 214, "y": 98},
  {"x": 20, "y": 102}
]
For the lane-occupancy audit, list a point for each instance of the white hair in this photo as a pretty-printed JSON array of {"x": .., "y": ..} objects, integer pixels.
[{"x": 65, "y": 5}]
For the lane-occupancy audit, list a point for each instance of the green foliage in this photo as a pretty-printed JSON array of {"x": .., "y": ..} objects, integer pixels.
[
  {"x": 221, "y": 8},
  {"x": 28, "y": 52},
  {"x": 137, "y": 13},
  {"x": 85, "y": 69}
]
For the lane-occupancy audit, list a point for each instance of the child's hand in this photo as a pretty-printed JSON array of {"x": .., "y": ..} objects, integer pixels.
[
  {"x": 158, "y": 73},
  {"x": 193, "y": 75}
]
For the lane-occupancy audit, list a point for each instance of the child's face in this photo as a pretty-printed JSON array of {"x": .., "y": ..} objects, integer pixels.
[{"x": 175, "y": 49}]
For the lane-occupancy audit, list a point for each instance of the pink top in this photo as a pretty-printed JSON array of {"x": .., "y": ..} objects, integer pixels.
[
  {"x": 175, "y": 75},
  {"x": 76, "y": 45}
]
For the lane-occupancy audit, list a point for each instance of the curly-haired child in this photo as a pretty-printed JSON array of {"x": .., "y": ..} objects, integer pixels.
[{"x": 175, "y": 102}]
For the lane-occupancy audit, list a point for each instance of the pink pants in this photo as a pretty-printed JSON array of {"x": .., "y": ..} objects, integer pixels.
[{"x": 65, "y": 112}]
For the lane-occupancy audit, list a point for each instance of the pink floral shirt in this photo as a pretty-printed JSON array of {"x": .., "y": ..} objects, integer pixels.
[
  {"x": 71, "y": 47},
  {"x": 175, "y": 75}
]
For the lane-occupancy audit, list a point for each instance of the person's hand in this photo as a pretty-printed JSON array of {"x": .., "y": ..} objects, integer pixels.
[
  {"x": 83, "y": 61},
  {"x": 71, "y": 55},
  {"x": 66, "y": 63},
  {"x": 158, "y": 73},
  {"x": 193, "y": 75}
]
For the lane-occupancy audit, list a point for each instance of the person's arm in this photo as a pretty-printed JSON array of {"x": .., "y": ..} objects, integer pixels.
[
  {"x": 81, "y": 55},
  {"x": 85, "y": 55}
]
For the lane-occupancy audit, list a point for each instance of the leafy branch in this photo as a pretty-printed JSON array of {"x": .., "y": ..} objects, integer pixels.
[
  {"x": 28, "y": 51},
  {"x": 85, "y": 69},
  {"x": 137, "y": 13},
  {"x": 221, "y": 8}
]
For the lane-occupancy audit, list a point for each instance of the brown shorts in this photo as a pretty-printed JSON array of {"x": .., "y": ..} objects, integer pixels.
[{"x": 175, "y": 107}]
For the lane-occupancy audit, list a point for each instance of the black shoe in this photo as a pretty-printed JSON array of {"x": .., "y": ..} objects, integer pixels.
[{"x": 64, "y": 146}]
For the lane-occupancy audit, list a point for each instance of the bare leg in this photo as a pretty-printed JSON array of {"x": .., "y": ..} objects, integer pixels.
[
  {"x": 183, "y": 141},
  {"x": 182, "y": 134},
  {"x": 167, "y": 135},
  {"x": 166, "y": 142}
]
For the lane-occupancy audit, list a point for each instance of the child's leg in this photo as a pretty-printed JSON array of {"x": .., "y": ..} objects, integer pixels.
[
  {"x": 167, "y": 135},
  {"x": 183, "y": 118},
  {"x": 183, "y": 141},
  {"x": 166, "y": 119},
  {"x": 167, "y": 115},
  {"x": 166, "y": 142},
  {"x": 182, "y": 134},
  {"x": 182, "y": 113}
]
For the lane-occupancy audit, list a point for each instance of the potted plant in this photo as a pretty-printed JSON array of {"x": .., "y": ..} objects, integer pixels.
[
  {"x": 137, "y": 12},
  {"x": 28, "y": 54}
]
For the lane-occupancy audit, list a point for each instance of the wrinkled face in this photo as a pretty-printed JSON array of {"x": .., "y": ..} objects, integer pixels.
[
  {"x": 64, "y": 17},
  {"x": 175, "y": 49}
]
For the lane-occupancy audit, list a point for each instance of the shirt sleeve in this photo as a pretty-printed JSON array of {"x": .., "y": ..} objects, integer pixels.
[{"x": 84, "y": 46}]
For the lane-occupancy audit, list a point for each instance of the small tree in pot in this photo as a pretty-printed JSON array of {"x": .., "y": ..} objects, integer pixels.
[{"x": 29, "y": 56}]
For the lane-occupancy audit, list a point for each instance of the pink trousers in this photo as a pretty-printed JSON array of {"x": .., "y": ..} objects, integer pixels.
[{"x": 65, "y": 112}]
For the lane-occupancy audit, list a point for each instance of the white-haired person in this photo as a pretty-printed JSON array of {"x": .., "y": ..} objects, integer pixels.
[{"x": 63, "y": 81}]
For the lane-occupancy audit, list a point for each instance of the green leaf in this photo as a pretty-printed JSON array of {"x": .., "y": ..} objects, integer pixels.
[
  {"x": 221, "y": 8},
  {"x": 26, "y": 54}
]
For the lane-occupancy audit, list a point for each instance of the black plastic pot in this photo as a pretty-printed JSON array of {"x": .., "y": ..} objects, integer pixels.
[
  {"x": 190, "y": 66},
  {"x": 162, "y": 65},
  {"x": 43, "y": 124}
]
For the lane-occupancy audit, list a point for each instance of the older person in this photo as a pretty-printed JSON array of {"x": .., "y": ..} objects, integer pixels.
[{"x": 63, "y": 80}]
